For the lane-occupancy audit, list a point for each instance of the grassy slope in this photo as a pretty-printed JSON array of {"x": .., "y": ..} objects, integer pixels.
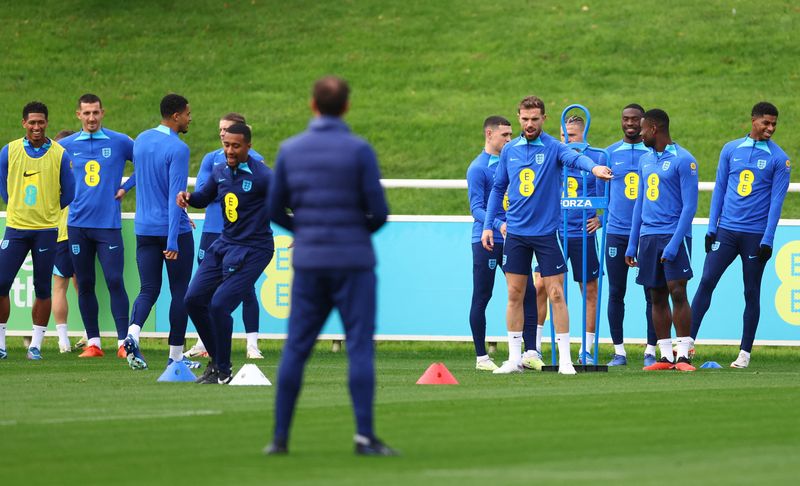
[
  {"x": 425, "y": 74},
  {"x": 97, "y": 423}
]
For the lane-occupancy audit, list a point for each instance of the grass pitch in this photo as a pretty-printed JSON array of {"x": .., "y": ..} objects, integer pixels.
[{"x": 71, "y": 421}]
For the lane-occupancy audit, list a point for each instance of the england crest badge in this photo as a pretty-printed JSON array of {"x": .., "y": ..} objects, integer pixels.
[
  {"x": 540, "y": 159},
  {"x": 106, "y": 152},
  {"x": 761, "y": 164},
  {"x": 665, "y": 166},
  {"x": 76, "y": 249},
  {"x": 612, "y": 251},
  {"x": 4, "y": 245},
  {"x": 492, "y": 263},
  {"x": 247, "y": 185},
  {"x": 715, "y": 246}
]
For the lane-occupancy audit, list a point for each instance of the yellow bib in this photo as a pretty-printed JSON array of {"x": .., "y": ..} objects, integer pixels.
[
  {"x": 34, "y": 188},
  {"x": 62, "y": 225}
]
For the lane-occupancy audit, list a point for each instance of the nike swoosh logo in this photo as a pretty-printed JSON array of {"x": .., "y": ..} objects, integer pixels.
[
  {"x": 618, "y": 163},
  {"x": 736, "y": 160},
  {"x": 595, "y": 272},
  {"x": 752, "y": 256},
  {"x": 512, "y": 159},
  {"x": 221, "y": 180},
  {"x": 559, "y": 266},
  {"x": 113, "y": 247},
  {"x": 42, "y": 250},
  {"x": 28, "y": 174},
  {"x": 76, "y": 153},
  {"x": 685, "y": 270}
]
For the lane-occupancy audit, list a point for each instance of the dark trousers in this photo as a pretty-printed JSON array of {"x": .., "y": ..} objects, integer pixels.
[
  {"x": 150, "y": 260},
  {"x": 314, "y": 294},
  {"x": 618, "y": 286}
]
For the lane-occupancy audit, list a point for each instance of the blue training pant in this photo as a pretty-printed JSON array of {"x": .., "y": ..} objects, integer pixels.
[
  {"x": 484, "y": 264},
  {"x": 15, "y": 247},
  {"x": 107, "y": 246},
  {"x": 225, "y": 277},
  {"x": 150, "y": 260},
  {"x": 250, "y": 305},
  {"x": 314, "y": 294},
  {"x": 618, "y": 286},
  {"x": 729, "y": 245}
]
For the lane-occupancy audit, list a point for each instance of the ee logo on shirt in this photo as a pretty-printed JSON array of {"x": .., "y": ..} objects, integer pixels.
[
  {"x": 92, "y": 177},
  {"x": 526, "y": 178},
  {"x": 787, "y": 298},
  {"x": 231, "y": 203},
  {"x": 275, "y": 296},
  {"x": 632, "y": 186}
]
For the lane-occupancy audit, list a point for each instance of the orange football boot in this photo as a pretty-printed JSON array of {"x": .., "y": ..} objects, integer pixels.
[
  {"x": 92, "y": 352},
  {"x": 121, "y": 353},
  {"x": 660, "y": 365},
  {"x": 684, "y": 364}
]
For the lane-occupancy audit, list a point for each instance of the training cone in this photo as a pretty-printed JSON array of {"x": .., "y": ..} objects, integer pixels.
[
  {"x": 710, "y": 365},
  {"x": 437, "y": 374},
  {"x": 177, "y": 371},
  {"x": 250, "y": 375}
]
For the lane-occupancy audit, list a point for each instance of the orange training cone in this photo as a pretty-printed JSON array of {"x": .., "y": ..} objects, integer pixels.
[{"x": 437, "y": 374}]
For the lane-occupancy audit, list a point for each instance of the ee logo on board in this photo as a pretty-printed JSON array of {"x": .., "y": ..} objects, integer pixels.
[
  {"x": 787, "y": 298},
  {"x": 278, "y": 279}
]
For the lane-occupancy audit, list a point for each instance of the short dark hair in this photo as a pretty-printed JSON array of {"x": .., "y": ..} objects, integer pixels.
[
  {"x": 764, "y": 108},
  {"x": 34, "y": 107},
  {"x": 171, "y": 104},
  {"x": 234, "y": 117},
  {"x": 530, "y": 103},
  {"x": 495, "y": 121},
  {"x": 89, "y": 98},
  {"x": 330, "y": 95},
  {"x": 240, "y": 129},
  {"x": 575, "y": 120},
  {"x": 63, "y": 134},
  {"x": 658, "y": 117},
  {"x": 635, "y": 106}
]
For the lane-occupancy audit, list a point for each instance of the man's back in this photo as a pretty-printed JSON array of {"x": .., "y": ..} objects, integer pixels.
[
  {"x": 160, "y": 157},
  {"x": 331, "y": 181}
]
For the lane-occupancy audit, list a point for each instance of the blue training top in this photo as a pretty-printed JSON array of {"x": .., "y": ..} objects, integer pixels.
[
  {"x": 480, "y": 177},
  {"x": 330, "y": 180},
  {"x": 161, "y": 169},
  {"x": 752, "y": 180},
  {"x": 98, "y": 163},
  {"x": 667, "y": 199},
  {"x": 624, "y": 163},
  {"x": 243, "y": 193},
  {"x": 531, "y": 172},
  {"x": 214, "y": 222}
]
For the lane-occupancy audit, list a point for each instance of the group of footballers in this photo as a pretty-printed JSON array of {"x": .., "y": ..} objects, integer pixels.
[
  {"x": 63, "y": 199},
  {"x": 515, "y": 187}
]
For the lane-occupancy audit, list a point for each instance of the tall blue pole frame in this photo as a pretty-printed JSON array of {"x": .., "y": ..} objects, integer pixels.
[{"x": 583, "y": 203}]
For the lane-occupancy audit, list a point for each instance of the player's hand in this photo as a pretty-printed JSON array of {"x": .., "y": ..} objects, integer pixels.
[
  {"x": 120, "y": 194},
  {"x": 764, "y": 253},
  {"x": 170, "y": 254},
  {"x": 592, "y": 224},
  {"x": 183, "y": 199},
  {"x": 602, "y": 172},
  {"x": 710, "y": 239},
  {"x": 487, "y": 239},
  {"x": 503, "y": 229},
  {"x": 631, "y": 261}
]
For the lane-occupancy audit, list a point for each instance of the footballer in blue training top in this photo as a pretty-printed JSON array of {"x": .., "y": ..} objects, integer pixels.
[
  {"x": 94, "y": 224},
  {"x": 665, "y": 206},
  {"x": 163, "y": 230},
  {"x": 234, "y": 262},
  {"x": 752, "y": 181},
  {"x": 623, "y": 189},
  {"x": 530, "y": 169},
  {"x": 212, "y": 227},
  {"x": 480, "y": 177}
]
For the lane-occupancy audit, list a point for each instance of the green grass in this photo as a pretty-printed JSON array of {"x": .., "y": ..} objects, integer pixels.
[
  {"x": 424, "y": 74},
  {"x": 70, "y": 421}
]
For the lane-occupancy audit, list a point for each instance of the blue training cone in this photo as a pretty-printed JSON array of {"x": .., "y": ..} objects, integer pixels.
[
  {"x": 710, "y": 365},
  {"x": 177, "y": 371}
]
